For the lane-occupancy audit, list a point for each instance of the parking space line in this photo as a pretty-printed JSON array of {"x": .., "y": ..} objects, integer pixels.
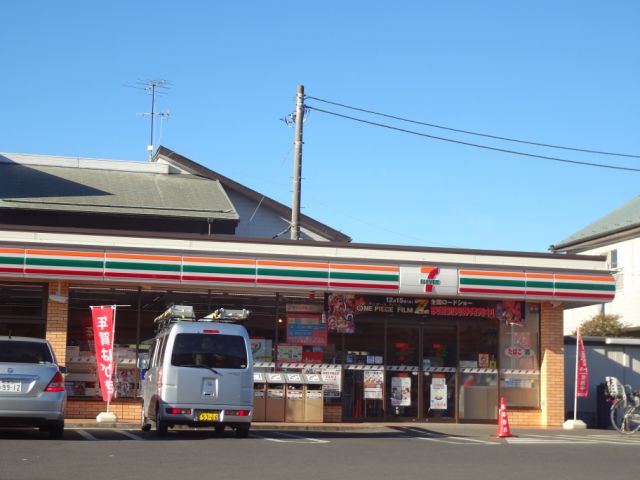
[
  {"x": 130, "y": 435},
  {"x": 295, "y": 438},
  {"x": 86, "y": 435}
]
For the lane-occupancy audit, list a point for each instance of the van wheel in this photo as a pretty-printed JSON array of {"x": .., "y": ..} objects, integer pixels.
[
  {"x": 145, "y": 426},
  {"x": 162, "y": 427},
  {"x": 242, "y": 432}
]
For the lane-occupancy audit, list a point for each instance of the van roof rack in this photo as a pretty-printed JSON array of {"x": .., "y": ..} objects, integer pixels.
[
  {"x": 185, "y": 313},
  {"x": 227, "y": 315},
  {"x": 175, "y": 313}
]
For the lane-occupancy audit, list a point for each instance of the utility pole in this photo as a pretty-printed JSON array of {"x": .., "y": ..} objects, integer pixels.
[{"x": 297, "y": 165}]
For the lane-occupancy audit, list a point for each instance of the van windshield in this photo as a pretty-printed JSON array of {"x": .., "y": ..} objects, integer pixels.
[{"x": 209, "y": 350}]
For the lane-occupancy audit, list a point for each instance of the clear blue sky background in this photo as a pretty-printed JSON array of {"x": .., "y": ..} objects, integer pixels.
[{"x": 555, "y": 72}]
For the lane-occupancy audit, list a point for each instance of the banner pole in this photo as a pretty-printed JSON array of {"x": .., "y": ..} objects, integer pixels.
[{"x": 575, "y": 393}]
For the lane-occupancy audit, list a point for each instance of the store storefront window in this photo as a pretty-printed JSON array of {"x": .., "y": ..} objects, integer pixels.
[
  {"x": 23, "y": 311},
  {"x": 363, "y": 395},
  {"x": 478, "y": 398},
  {"x": 519, "y": 358}
]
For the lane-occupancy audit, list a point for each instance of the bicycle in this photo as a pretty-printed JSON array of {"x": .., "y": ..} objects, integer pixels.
[{"x": 625, "y": 410}]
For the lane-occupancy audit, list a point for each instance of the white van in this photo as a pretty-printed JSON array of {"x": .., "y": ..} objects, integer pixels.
[{"x": 199, "y": 373}]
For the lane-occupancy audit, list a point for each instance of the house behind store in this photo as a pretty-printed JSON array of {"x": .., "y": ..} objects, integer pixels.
[
  {"x": 398, "y": 333},
  {"x": 616, "y": 236}
]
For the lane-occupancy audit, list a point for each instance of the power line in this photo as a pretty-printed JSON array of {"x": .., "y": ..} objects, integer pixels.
[
  {"x": 468, "y": 132},
  {"x": 468, "y": 144}
]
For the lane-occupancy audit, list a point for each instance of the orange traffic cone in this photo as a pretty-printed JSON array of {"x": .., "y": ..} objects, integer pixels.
[{"x": 503, "y": 421}]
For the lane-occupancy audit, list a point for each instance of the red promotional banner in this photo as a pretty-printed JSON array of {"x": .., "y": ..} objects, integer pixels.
[
  {"x": 582, "y": 373},
  {"x": 103, "y": 330}
]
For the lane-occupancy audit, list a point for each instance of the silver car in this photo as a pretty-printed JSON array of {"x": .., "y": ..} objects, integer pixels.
[{"x": 32, "y": 392}]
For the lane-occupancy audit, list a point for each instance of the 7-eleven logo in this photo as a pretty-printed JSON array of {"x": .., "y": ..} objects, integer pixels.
[{"x": 430, "y": 281}]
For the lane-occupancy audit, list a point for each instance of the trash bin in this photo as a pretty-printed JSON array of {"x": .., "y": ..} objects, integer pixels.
[
  {"x": 603, "y": 407},
  {"x": 259, "y": 397},
  {"x": 295, "y": 397},
  {"x": 313, "y": 399},
  {"x": 275, "y": 401}
]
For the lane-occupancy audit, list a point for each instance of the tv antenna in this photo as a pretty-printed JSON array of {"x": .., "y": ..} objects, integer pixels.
[{"x": 154, "y": 88}]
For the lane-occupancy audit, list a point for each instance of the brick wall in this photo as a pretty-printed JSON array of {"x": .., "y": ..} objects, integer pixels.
[
  {"x": 125, "y": 410},
  {"x": 524, "y": 417},
  {"x": 57, "y": 315},
  {"x": 552, "y": 365},
  {"x": 333, "y": 413}
]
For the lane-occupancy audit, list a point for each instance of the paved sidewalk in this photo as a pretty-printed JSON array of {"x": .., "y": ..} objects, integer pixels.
[{"x": 470, "y": 430}]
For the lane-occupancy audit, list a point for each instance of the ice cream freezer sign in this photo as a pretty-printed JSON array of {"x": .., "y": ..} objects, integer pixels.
[
  {"x": 517, "y": 352},
  {"x": 429, "y": 280}
]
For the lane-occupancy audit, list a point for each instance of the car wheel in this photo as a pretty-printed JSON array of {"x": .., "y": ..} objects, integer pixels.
[
  {"x": 242, "y": 432},
  {"x": 162, "y": 427},
  {"x": 56, "y": 430},
  {"x": 145, "y": 426}
]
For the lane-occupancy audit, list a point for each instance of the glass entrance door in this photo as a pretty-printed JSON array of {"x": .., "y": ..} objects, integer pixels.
[
  {"x": 439, "y": 362},
  {"x": 402, "y": 378},
  {"x": 478, "y": 397}
]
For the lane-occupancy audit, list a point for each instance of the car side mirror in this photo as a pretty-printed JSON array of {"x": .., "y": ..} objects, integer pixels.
[{"x": 62, "y": 369}]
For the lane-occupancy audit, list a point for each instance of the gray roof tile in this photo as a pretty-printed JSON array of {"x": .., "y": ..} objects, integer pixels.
[{"x": 46, "y": 187}]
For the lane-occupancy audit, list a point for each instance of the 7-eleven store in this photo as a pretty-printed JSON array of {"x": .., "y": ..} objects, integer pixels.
[{"x": 398, "y": 333}]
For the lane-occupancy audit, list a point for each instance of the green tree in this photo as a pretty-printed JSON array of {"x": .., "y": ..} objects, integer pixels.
[{"x": 603, "y": 325}]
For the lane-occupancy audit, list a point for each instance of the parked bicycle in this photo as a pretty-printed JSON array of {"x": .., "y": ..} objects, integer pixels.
[{"x": 625, "y": 410}]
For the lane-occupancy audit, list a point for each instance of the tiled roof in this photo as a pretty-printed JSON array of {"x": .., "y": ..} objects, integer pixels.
[
  {"x": 623, "y": 218},
  {"x": 35, "y": 182}
]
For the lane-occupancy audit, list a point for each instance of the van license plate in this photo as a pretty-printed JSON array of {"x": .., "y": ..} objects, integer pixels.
[{"x": 207, "y": 416}]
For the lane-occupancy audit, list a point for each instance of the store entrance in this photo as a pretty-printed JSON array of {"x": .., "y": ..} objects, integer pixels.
[{"x": 421, "y": 373}]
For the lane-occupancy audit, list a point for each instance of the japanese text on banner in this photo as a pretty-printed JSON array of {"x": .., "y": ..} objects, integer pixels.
[{"x": 103, "y": 318}]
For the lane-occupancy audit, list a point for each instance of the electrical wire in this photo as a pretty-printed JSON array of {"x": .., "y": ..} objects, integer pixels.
[
  {"x": 468, "y": 132},
  {"x": 468, "y": 144}
]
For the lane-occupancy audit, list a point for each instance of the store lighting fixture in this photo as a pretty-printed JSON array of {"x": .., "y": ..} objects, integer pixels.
[{"x": 58, "y": 297}]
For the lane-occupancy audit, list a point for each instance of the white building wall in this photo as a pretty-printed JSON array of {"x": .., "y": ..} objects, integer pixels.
[
  {"x": 627, "y": 301},
  {"x": 258, "y": 220}
]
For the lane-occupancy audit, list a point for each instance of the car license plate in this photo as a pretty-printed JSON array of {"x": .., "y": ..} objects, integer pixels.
[
  {"x": 6, "y": 386},
  {"x": 207, "y": 416}
]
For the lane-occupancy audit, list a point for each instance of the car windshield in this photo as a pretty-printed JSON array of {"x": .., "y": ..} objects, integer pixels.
[
  {"x": 209, "y": 350},
  {"x": 19, "y": 351}
]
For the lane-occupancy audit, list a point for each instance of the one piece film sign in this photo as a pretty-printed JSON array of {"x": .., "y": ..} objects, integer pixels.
[{"x": 103, "y": 331}]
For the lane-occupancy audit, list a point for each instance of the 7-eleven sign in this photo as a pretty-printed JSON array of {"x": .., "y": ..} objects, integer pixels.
[{"x": 428, "y": 278}]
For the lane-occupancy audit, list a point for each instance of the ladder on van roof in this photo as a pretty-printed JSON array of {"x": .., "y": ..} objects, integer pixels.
[{"x": 185, "y": 313}]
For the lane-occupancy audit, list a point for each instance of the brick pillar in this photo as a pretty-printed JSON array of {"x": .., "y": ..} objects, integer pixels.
[
  {"x": 57, "y": 319},
  {"x": 551, "y": 365}
]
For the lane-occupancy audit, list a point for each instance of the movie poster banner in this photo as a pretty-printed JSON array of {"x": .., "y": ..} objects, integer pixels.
[
  {"x": 103, "y": 331},
  {"x": 344, "y": 309}
]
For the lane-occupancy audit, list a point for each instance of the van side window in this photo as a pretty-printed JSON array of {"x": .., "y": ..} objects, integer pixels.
[
  {"x": 161, "y": 349},
  {"x": 209, "y": 351},
  {"x": 152, "y": 351}
]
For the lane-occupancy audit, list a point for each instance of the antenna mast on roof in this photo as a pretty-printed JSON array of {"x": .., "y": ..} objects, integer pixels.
[{"x": 153, "y": 88}]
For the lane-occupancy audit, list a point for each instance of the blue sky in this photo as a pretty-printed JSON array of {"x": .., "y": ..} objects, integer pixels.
[{"x": 563, "y": 73}]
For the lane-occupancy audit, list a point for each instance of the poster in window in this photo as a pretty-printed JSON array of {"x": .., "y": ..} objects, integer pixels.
[
  {"x": 342, "y": 311},
  {"x": 289, "y": 353},
  {"x": 261, "y": 349},
  {"x": 438, "y": 396},
  {"x": 373, "y": 383},
  {"x": 306, "y": 329},
  {"x": 401, "y": 391}
]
